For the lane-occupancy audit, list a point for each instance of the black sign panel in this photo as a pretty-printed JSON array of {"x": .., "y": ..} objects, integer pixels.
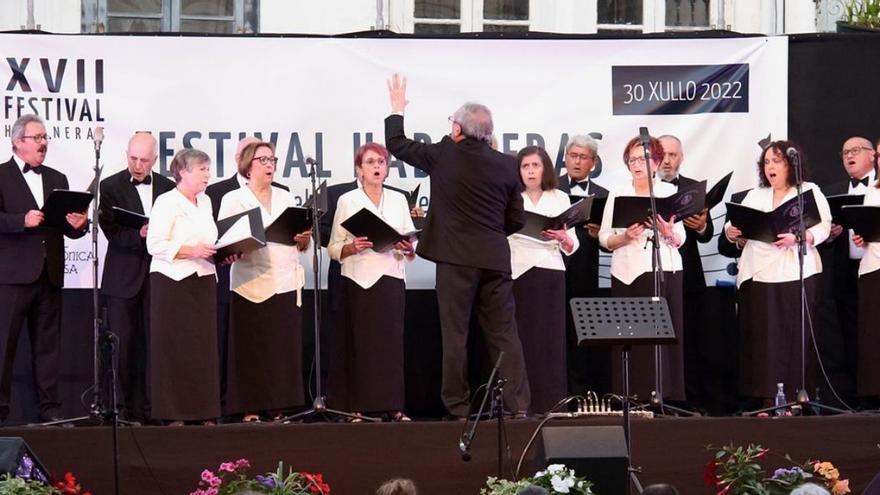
[{"x": 680, "y": 89}]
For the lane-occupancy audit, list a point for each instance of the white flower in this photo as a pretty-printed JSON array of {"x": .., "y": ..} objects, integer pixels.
[
  {"x": 539, "y": 474},
  {"x": 559, "y": 485},
  {"x": 555, "y": 468}
]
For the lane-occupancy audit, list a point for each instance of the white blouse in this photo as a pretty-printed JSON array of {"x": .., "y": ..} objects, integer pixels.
[
  {"x": 764, "y": 262},
  {"x": 176, "y": 222},
  {"x": 871, "y": 259},
  {"x": 633, "y": 259},
  {"x": 272, "y": 269},
  {"x": 527, "y": 252},
  {"x": 368, "y": 266}
]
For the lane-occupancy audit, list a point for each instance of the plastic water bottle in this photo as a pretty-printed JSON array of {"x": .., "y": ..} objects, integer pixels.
[{"x": 780, "y": 401}]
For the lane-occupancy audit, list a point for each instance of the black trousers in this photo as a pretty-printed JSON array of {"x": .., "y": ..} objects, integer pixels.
[
  {"x": 129, "y": 319},
  {"x": 38, "y": 305},
  {"x": 490, "y": 294}
]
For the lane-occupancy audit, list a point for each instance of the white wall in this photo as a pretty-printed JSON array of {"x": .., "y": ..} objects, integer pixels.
[
  {"x": 56, "y": 16},
  {"x": 317, "y": 17}
]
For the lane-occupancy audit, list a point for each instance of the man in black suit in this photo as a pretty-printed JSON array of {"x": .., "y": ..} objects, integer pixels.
[
  {"x": 590, "y": 367},
  {"x": 32, "y": 264},
  {"x": 126, "y": 284},
  {"x": 838, "y": 341},
  {"x": 216, "y": 191},
  {"x": 698, "y": 228},
  {"x": 475, "y": 204}
]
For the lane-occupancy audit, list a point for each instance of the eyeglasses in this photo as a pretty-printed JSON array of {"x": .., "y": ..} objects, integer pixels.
[
  {"x": 265, "y": 160},
  {"x": 855, "y": 151},
  {"x": 581, "y": 157},
  {"x": 374, "y": 161},
  {"x": 452, "y": 120},
  {"x": 39, "y": 137},
  {"x": 640, "y": 160}
]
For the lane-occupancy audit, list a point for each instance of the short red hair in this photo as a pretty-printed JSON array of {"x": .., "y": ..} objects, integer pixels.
[
  {"x": 654, "y": 148},
  {"x": 374, "y": 147}
]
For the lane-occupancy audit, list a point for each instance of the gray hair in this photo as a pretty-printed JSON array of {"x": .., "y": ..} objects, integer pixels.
[
  {"x": 583, "y": 141},
  {"x": 398, "y": 486},
  {"x": 185, "y": 160},
  {"x": 20, "y": 124},
  {"x": 810, "y": 489},
  {"x": 532, "y": 490},
  {"x": 475, "y": 121}
]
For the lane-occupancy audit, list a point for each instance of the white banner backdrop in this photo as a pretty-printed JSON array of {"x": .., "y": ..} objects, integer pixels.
[{"x": 324, "y": 97}]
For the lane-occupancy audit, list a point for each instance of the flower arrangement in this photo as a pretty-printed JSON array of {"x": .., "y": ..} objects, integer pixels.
[
  {"x": 556, "y": 479},
  {"x": 15, "y": 485},
  {"x": 736, "y": 471},
  {"x": 232, "y": 477}
]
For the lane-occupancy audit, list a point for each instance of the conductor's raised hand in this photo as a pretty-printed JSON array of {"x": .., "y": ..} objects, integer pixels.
[{"x": 397, "y": 93}]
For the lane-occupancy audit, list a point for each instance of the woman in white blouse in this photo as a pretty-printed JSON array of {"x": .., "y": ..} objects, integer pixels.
[
  {"x": 632, "y": 273},
  {"x": 769, "y": 290},
  {"x": 184, "y": 382},
  {"x": 869, "y": 312},
  {"x": 264, "y": 371},
  {"x": 539, "y": 281},
  {"x": 367, "y": 370}
]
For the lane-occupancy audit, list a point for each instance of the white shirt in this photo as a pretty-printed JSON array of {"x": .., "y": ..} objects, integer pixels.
[
  {"x": 34, "y": 181},
  {"x": 577, "y": 191},
  {"x": 871, "y": 260},
  {"x": 527, "y": 252},
  {"x": 273, "y": 269},
  {"x": 176, "y": 222},
  {"x": 368, "y": 266},
  {"x": 145, "y": 193},
  {"x": 764, "y": 262},
  {"x": 855, "y": 252},
  {"x": 633, "y": 259}
]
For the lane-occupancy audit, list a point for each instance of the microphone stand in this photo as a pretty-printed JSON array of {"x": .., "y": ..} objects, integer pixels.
[
  {"x": 319, "y": 405},
  {"x": 495, "y": 389}
]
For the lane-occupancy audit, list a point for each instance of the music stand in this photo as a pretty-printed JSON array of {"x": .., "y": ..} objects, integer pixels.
[{"x": 625, "y": 321}]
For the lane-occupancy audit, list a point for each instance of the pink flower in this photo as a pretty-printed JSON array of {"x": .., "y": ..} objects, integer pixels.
[
  {"x": 227, "y": 466},
  {"x": 242, "y": 463},
  {"x": 207, "y": 475},
  {"x": 211, "y": 491},
  {"x": 840, "y": 487}
]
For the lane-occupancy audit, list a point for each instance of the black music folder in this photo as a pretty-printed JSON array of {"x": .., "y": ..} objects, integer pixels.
[
  {"x": 838, "y": 201},
  {"x": 128, "y": 218},
  {"x": 412, "y": 198},
  {"x": 365, "y": 223},
  {"x": 322, "y": 199},
  {"x": 61, "y": 202},
  {"x": 575, "y": 215},
  {"x": 864, "y": 220},
  {"x": 716, "y": 194},
  {"x": 240, "y": 234},
  {"x": 293, "y": 221},
  {"x": 689, "y": 200},
  {"x": 767, "y": 225}
]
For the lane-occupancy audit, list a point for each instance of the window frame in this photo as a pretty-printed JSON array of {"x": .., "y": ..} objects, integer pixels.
[{"x": 245, "y": 18}]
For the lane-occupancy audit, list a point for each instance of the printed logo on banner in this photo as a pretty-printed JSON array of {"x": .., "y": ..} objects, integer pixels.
[
  {"x": 680, "y": 89},
  {"x": 65, "y": 92}
]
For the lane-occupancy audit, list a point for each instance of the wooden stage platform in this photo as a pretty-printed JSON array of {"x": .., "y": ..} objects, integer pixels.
[{"x": 356, "y": 458}]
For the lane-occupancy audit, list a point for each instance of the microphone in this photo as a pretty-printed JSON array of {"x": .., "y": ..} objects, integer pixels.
[
  {"x": 98, "y": 138},
  {"x": 645, "y": 137},
  {"x": 791, "y": 152},
  {"x": 310, "y": 161}
]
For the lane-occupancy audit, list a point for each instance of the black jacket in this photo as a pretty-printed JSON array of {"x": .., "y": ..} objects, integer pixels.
[
  {"x": 23, "y": 251},
  {"x": 475, "y": 198},
  {"x": 694, "y": 278},
  {"x": 582, "y": 267},
  {"x": 127, "y": 261}
]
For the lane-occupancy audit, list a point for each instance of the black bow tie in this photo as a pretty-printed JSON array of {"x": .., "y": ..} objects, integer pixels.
[
  {"x": 856, "y": 182},
  {"x": 27, "y": 168},
  {"x": 147, "y": 180},
  {"x": 674, "y": 181},
  {"x": 583, "y": 185}
]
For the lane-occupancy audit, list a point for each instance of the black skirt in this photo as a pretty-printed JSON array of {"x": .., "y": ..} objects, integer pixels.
[
  {"x": 642, "y": 357},
  {"x": 540, "y": 321},
  {"x": 184, "y": 367},
  {"x": 770, "y": 336},
  {"x": 869, "y": 335},
  {"x": 264, "y": 371},
  {"x": 367, "y": 368}
]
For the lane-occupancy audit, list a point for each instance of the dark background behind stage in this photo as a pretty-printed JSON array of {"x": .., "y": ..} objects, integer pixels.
[{"x": 833, "y": 81}]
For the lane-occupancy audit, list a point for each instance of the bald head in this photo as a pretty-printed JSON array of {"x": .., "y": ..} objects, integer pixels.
[
  {"x": 858, "y": 157},
  {"x": 141, "y": 155}
]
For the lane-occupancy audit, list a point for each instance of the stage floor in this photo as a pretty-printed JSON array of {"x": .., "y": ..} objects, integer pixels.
[{"x": 356, "y": 458}]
